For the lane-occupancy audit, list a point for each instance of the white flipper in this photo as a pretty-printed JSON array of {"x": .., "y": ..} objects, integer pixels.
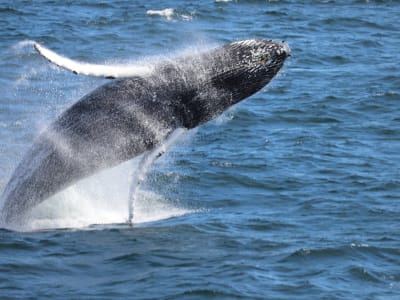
[
  {"x": 81, "y": 68},
  {"x": 139, "y": 175}
]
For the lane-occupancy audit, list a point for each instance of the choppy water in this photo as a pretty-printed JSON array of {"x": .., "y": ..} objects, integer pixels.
[{"x": 292, "y": 194}]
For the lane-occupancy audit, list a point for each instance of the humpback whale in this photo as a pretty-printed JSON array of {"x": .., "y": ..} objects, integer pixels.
[{"x": 132, "y": 114}]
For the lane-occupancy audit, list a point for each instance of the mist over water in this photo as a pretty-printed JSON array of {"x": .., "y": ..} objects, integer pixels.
[
  {"x": 292, "y": 194},
  {"x": 102, "y": 199}
]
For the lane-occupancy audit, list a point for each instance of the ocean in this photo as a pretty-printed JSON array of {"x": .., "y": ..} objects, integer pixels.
[{"x": 291, "y": 194}]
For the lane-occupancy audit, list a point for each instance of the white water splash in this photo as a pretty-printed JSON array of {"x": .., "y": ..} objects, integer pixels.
[
  {"x": 23, "y": 44},
  {"x": 19, "y": 50},
  {"x": 100, "y": 200},
  {"x": 168, "y": 13},
  {"x": 109, "y": 197}
]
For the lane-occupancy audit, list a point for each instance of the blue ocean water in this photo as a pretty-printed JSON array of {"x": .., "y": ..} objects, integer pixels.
[{"x": 291, "y": 194}]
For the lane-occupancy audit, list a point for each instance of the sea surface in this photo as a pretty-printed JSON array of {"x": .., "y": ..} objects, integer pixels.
[{"x": 291, "y": 194}]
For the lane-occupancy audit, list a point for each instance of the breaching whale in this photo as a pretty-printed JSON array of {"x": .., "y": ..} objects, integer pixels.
[{"x": 133, "y": 114}]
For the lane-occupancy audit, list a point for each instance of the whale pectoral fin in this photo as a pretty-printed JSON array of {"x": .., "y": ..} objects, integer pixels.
[
  {"x": 81, "y": 68},
  {"x": 147, "y": 160}
]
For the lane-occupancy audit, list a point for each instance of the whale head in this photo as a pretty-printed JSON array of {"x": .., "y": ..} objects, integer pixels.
[
  {"x": 232, "y": 73},
  {"x": 249, "y": 65}
]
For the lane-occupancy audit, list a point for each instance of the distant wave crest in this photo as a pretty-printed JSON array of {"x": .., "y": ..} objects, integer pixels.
[{"x": 169, "y": 13}]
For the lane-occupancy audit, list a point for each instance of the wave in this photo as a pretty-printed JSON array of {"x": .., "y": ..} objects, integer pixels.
[{"x": 170, "y": 14}]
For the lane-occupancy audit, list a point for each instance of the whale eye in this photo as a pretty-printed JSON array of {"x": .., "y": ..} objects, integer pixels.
[{"x": 263, "y": 58}]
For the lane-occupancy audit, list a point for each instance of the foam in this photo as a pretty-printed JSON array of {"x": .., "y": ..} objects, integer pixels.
[
  {"x": 168, "y": 13},
  {"x": 23, "y": 44},
  {"x": 102, "y": 200}
]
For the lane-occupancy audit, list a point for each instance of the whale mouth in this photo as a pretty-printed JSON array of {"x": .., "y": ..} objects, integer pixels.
[
  {"x": 285, "y": 48},
  {"x": 280, "y": 48},
  {"x": 249, "y": 65},
  {"x": 266, "y": 53}
]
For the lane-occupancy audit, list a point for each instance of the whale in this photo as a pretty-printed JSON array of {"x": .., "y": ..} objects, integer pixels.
[{"x": 133, "y": 113}]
